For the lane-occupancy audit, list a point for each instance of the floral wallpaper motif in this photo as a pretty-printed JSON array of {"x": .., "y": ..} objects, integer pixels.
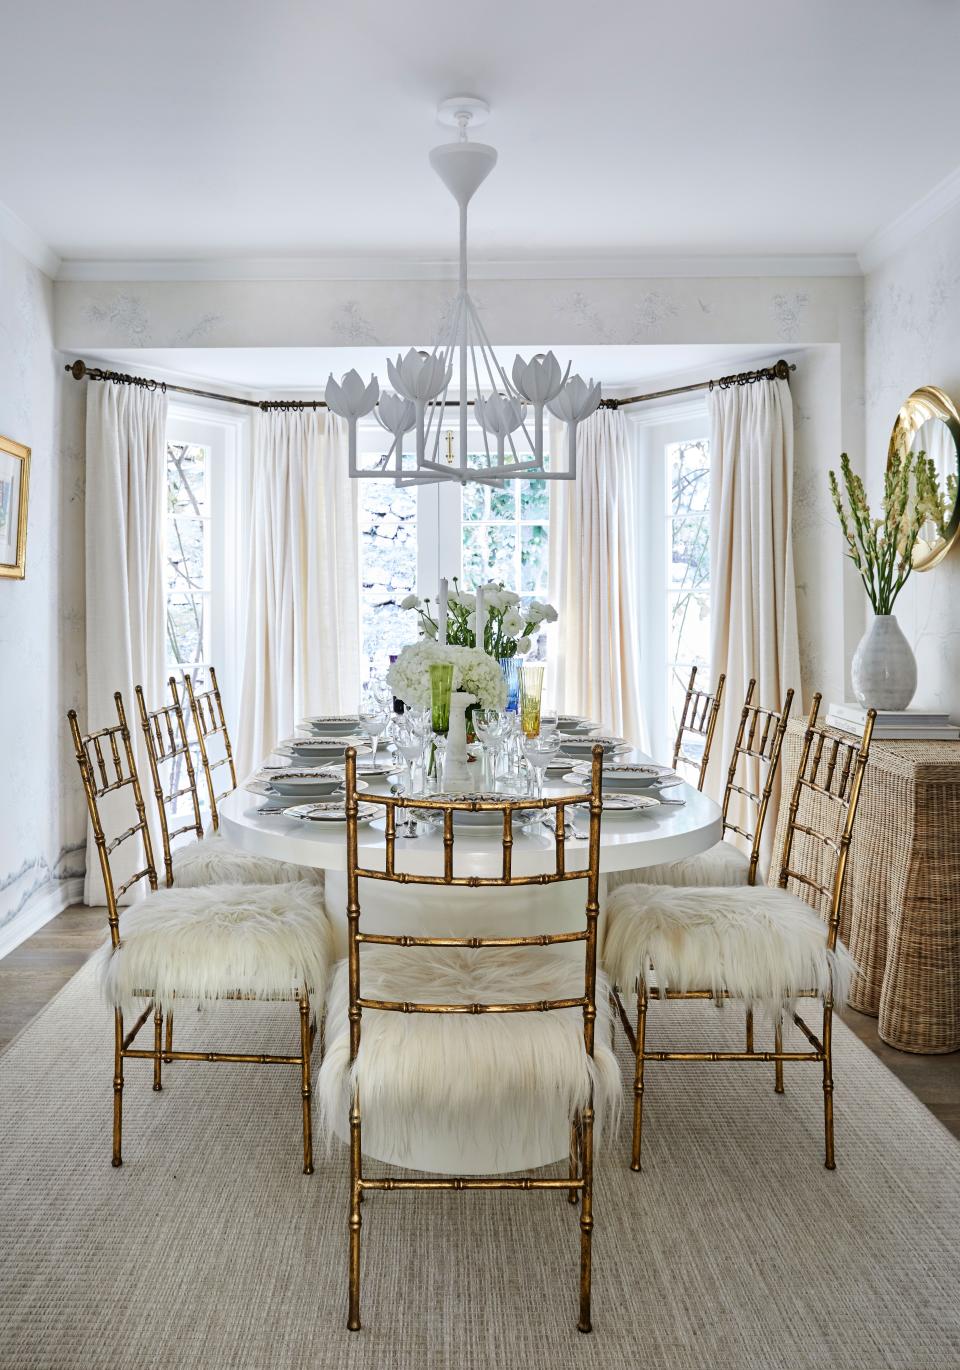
[{"x": 42, "y": 820}]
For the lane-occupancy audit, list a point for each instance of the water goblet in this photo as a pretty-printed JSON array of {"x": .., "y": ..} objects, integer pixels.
[
  {"x": 373, "y": 720},
  {"x": 540, "y": 751}
]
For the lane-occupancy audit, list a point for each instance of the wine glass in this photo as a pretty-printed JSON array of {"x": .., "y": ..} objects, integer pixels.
[
  {"x": 491, "y": 727},
  {"x": 540, "y": 751},
  {"x": 373, "y": 720}
]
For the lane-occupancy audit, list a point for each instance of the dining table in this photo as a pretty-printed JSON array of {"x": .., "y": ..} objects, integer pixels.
[{"x": 666, "y": 832}]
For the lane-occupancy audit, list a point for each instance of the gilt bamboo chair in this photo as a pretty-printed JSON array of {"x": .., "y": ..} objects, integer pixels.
[
  {"x": 759, "y": 944},
  {"x": 343, "y": 1073},
  {"x": 754, "y": 761},
  {"x": 210, "y": 725},
  {"x": 209, "y": 859},
  {"x": 698, "y": 719},
  {"x": 229, "y": 942}
]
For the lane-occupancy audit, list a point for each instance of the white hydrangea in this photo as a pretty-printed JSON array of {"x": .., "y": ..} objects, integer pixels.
[{"x": 473, "y": 671}]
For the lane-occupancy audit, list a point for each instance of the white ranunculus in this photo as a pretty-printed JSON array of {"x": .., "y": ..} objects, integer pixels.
[
  {"x": 410, "y": 602},
  {"x": 512, "y": 623},
  {"x": 509, "y": 597},
  {"x": 550, "y": 614},
  {"x": 464, "y": 598},
  {"x": 523, "y": 644},
  {"x": 536, "y": 612}
]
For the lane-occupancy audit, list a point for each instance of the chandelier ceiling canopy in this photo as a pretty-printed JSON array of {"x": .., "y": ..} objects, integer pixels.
[{"x": 513, "y": 446}]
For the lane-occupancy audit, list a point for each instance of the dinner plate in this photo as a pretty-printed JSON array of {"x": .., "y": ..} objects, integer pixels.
[
  {"x": 466, "y": 818},
  {"x": 330, "y": 811},
  {"x": 331, "y": 725},
  {"x": 319, "y": 748},
  {"x": 307, "y": 785},
  {"x": 366, "y": 767},
  {"x": 669, "y": 782},
  {"x": 620, "y": 804},
  {"x": 582, "y": 746}
]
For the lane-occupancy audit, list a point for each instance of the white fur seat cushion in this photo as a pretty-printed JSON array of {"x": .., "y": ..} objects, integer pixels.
[
  {"x": 500, "y": 1073},
  {"x": 194, "y": 944},
  {"x": 215, "y": 861},
  {"x": 721, "y": 864},
  {"x": 763, "y": 945}
]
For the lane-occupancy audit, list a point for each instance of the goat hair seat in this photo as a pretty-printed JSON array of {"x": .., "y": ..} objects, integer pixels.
[
  {"x": 260, "y": 941},
  {"x": 215, "y": 861},
  {"x": 511, "y": 1075},
  {"x": 721, "y": 864},
  {"x": 759, "y": 944}
]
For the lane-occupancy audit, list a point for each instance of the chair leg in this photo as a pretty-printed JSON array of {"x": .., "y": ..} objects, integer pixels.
[
  {"x": 353, "y": 1316},
  {"x": 778, "y": 1046},
  {"x": 830, "y": 1159},
  {"x": 305, "y": 1085},
  {"x": 157, "y": 1047},
  {"x": 638, "y": 1077},
  {"x": 117, "y": 1158},
  {"x": 169, "y": 1039},
  {"x": 572, "y": 1194},
  {"x": 586, "y": 1218},
  {"x": 748, "y": 1042}
]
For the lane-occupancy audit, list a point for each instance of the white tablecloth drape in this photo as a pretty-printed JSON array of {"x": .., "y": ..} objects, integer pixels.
[
  {"x": 126, "y": 477},
  {"x": 752, "y": 588},
  {"x": 301, "y": 651},
  {"x": 594, "y": 579}
]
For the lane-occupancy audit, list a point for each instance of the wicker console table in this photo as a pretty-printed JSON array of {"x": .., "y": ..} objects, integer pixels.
[{"x": 901, "y": 914}]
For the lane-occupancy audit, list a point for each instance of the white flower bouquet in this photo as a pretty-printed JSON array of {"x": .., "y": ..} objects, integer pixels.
[
  {"x": 473, "y": 671},
  {"x": 509, "y": 623}
]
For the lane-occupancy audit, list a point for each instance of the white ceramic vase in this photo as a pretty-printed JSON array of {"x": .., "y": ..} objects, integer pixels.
[
  {"x": 884, "y": 671},
  {"x": 457, "y": 772}
]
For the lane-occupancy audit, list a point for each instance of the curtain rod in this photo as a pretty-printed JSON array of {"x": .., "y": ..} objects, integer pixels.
[{"x": 81, "y": 371}]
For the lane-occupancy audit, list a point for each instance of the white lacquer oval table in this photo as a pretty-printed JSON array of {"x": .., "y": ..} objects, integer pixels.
[{"x": 669, "y": 833}]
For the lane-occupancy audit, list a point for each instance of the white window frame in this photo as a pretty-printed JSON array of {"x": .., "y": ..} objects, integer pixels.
[
  {"x": 226, "y": 435},
  {"x": 655, "y": 428}
]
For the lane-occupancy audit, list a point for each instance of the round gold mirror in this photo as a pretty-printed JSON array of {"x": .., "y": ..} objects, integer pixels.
[{"x": 928, "y": 422}]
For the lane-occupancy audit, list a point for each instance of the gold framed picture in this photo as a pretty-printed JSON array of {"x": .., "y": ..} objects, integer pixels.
[{"x": 14, "y": 490}]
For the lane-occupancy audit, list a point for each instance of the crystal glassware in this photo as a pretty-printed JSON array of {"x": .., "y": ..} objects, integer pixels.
[
  {"x": 492, "y": 727},
  {"x": 531, "y": 690},
  {"x": 373, "y": 720},
  {"x": 540, "y": 751},
  {"x": 510, "y": 666},
  {"x": 441, "y": 688}
]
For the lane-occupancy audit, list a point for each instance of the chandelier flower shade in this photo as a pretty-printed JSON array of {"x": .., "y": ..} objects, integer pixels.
[{"x": 421, "y": 380}]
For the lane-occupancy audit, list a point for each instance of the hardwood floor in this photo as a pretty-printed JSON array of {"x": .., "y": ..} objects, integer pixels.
[{"x": 33, "y": 973}]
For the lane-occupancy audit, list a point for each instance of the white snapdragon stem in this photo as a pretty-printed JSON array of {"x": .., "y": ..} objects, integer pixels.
[{"x": 442, "y": 612}]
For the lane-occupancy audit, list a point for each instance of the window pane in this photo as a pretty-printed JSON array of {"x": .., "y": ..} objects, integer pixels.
[
  {"x": 688, "y": 470},
  {"x": 533, "y": 559},
  {"x": 186, "y": 554},
  {"x": 187, "y": 628},
  {"x": 534, "y": 499},
  {"x": 501, "y": 553},
  {"x": 186, "y": 478},
  {"x": 689, "y": 553},
  {"x": 388, "y": 570},
  {"x": 689, "y": 628},
  {"x": 503, "y": 502},
  {"x": 474, "y": 502}
]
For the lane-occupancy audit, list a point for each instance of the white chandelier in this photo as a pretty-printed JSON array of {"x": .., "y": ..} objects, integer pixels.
[{"x": 421, "y": 380}]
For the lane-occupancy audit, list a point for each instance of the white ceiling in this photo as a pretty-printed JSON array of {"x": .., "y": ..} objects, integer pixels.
[
  {"x": 306, "y": 368},
  {"x": 230, "y": 128}
]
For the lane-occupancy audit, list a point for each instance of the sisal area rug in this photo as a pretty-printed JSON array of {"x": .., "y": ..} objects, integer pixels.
[{"x": 209, "y": 1248}]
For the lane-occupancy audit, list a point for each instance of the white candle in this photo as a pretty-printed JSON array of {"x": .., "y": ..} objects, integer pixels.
[
  {"x": 442, "y": 613},
  {"x": 479, "y": 621}
]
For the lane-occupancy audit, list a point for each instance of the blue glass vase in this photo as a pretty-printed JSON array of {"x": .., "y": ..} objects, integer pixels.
[{"x": 510, "y": 666}]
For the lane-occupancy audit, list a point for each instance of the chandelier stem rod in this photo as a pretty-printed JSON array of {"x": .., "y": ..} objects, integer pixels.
[
  {"x": 81, "y": 371},
  {"x": 464, "y": 335}
]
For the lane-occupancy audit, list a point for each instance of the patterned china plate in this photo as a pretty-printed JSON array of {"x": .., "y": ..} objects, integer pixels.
[
  {"x": 331, "y": 724},
  {"x": 317, "y": 742},
  {"x": 647, "y": 772},
  {"x": 669, "y": 782},
  {"x": 579, "y": 744},
  {"x": 330, "y": 811},
  {"x": 365, "y": 766},
  {"x": 620, "y": 805}
]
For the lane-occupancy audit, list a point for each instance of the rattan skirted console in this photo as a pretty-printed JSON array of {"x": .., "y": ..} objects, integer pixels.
[{"x": 901, "y": 914}]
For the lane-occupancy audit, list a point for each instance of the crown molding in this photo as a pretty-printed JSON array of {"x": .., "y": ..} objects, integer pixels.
[
  {"x": 215, "y": 269},
  {"x": 906, "y": 226},
  {"x": 28, "y": 243}
]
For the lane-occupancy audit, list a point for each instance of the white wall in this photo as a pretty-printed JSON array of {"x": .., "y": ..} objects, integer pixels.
[
  {"x": 913, "y": 339},
  {"x": 41, "y": 617}
]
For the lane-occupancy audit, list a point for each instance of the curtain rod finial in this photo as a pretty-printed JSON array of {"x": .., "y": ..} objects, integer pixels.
[{"x": 78, "y": 370}]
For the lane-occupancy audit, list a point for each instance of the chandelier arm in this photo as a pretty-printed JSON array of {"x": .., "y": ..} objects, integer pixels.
[
  {"x": 476, "y": 382},
  {"x": 487, "y": 349},
  {"x": 436, "y": 405}
]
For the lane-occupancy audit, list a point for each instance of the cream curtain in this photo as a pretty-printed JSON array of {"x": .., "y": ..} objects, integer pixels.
[
  {"x": 753, "y": 594},
  {"x": 594, "y": 579},
  {"x": 124, "y": 513},
  {"x": 301, "y": 650}
]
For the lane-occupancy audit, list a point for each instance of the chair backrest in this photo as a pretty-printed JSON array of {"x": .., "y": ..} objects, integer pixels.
[
  {"x": 756, "y": 750},
  {"x": 827, "y": 792},
  {"x": 107, "y": 766},
  {"x": 701, "y": 710},
  {"x": 445, "y": 808},
  {"x": 210, "y": 725},
  {"x": 165, "y": 733}
]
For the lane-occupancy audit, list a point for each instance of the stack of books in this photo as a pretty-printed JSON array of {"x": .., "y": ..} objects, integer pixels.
[{"x": 918, "y": 724}]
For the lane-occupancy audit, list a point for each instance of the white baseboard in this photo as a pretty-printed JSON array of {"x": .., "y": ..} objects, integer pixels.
[{"x": 48, "y": 903}]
